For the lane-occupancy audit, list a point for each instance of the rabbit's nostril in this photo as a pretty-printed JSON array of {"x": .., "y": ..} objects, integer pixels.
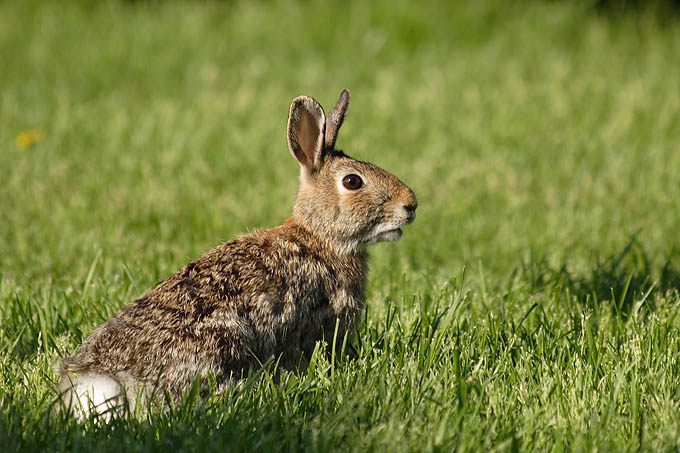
[{"x": 410, "y": 209}]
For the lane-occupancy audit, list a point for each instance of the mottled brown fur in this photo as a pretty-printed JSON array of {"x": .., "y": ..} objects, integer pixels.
[{"x": 270, "y": 294}]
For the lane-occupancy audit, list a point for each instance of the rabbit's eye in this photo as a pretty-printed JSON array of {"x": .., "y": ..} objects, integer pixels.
[{"x": 352, "y": 182}]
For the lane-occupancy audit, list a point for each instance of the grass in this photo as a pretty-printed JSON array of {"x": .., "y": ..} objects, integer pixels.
[{"x": 533, "y": 305}]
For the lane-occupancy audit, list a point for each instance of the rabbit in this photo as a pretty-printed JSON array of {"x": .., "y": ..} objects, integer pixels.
[{"x": 270, "y": 294}]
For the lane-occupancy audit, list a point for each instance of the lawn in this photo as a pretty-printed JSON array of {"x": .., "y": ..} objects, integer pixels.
[{"x": 533, "y": 304}]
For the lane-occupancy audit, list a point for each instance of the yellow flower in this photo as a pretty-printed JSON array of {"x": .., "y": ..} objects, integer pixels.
[{"x": 28, "y": 137}]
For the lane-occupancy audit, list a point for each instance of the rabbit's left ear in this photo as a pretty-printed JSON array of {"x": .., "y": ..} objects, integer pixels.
[{"x": 306, "y": 128}]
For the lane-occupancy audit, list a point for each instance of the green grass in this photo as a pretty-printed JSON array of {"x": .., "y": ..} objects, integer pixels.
[{"x": 533, "y": 304}]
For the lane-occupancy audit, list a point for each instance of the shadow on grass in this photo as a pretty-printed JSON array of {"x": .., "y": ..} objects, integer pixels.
[
  {"x": 617, "y": 281},
  {"x": 627, "y": 6}
]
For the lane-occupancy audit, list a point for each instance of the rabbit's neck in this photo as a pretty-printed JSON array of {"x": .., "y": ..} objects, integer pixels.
[
  {"x": 332, "y": 243},
  {"x": 349, "y": 270}
]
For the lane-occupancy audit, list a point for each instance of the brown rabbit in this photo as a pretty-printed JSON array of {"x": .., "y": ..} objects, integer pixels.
[{"x": 266, "y": 294}]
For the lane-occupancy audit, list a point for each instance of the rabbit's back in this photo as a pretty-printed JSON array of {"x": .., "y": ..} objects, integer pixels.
[{"x": 265, "y": 294}]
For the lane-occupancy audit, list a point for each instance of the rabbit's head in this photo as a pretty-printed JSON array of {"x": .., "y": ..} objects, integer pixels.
[{"x": 346, "y": 201}]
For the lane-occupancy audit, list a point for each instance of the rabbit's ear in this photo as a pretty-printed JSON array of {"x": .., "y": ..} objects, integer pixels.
[
  {"x": 306, "y": 125},
  {"x": 335, "y": 118}
]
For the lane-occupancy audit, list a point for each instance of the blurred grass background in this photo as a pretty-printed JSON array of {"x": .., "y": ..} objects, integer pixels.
[{"x": 541, "y": 139}]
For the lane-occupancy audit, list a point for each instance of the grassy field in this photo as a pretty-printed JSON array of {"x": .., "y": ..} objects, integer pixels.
[{"x": 534, "y": 303}]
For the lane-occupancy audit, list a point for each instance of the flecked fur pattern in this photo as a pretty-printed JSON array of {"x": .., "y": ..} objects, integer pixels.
[{"x": 270, "y": 294}]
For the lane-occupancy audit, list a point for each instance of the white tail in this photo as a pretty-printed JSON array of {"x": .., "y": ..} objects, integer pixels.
[{"x": 89, "y": 393}]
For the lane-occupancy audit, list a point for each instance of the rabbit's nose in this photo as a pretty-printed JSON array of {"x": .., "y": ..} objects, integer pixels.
[{"x": 410, "y": 211}]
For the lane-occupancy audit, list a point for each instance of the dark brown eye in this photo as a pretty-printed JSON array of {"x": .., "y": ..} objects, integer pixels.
[{"x": 352, "y": 182}]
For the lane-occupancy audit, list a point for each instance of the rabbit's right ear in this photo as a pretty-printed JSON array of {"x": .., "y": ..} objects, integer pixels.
[
  {"x": 335, "y": 119},
  {"x": 306, "y": 129}
]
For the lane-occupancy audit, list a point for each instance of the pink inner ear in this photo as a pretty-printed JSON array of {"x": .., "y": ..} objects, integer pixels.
[{"x": 308, "y": 137}]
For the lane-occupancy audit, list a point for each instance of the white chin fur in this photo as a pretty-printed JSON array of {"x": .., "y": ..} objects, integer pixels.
[{"x": 387, "y": 236}]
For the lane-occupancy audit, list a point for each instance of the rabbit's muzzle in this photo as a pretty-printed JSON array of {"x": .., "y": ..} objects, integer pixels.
[
  {"x": 410, "y": 204},
  {"x": 410, "y": 212}
]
